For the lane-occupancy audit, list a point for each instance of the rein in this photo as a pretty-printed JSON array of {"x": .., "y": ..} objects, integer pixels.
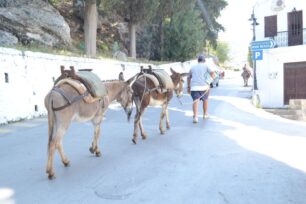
[{"x": 194, "y": 100}]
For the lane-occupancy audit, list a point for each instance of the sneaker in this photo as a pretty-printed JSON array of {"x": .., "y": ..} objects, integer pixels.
[
  {"x": 205, "y": 116},
  {"x": 195, "y": 120}
]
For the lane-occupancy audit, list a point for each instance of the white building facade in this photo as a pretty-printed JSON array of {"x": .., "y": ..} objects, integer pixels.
[{"x": 281, "y": 73}]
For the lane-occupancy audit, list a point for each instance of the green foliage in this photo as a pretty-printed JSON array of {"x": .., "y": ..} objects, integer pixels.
[
  {"x": 184, "y": 36},
  {"x": 210, "y": 15},
  {"x": 222, "y": 51},
  {"x": 135, "y": 11},
  {"x": 54, "y": 2}
]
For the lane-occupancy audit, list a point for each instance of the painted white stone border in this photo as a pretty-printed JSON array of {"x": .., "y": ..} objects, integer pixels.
[{"x": 30, "y": 76}]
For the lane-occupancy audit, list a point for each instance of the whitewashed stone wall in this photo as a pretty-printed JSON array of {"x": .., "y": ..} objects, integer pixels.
[{"x": 30, "y": 76}]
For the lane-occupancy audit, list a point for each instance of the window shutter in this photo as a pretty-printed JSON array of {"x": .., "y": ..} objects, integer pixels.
[{"x": 270, "y": 26}]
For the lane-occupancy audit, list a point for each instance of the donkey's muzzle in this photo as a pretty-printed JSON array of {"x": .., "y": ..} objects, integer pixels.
[{"x": 129, "y": 113}]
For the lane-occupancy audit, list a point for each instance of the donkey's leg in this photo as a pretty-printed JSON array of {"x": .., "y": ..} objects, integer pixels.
[
  {"x": 136, "y": 125},
  {"x": 162, "y": 116},
  {"x": 142, "y": 132},
  {"x": 51, "y": 150},
  {"x": 60, "y": 148},
  {"x": 167, "y": 118},
  {"x": 55, "y": 143},
  {"x": 94, "y": 149}
]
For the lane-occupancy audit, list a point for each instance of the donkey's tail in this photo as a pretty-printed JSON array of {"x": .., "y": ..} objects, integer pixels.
[{"x": 51, "y": 117}]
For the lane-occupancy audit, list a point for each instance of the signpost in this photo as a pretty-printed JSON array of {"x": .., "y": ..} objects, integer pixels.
[
  {"x": 257, "y": 55},
  {"x": 260, "y": 45}
]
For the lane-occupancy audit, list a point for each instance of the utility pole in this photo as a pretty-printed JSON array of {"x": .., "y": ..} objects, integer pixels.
[{"x": 254, "y": 24}]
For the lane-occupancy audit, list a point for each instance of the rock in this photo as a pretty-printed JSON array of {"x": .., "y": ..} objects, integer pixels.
[
  {"x": 34, "y": 21},
  {"x": 7, "y": 39}
]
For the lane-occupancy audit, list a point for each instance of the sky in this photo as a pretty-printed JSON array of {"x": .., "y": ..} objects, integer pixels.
[{"x": 238, "y": 33}]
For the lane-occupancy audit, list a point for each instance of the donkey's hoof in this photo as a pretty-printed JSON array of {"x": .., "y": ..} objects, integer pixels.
[
  {"x": 98, "y": 154},
  {"x": 134, "y": 141},
  {"x": 66, "y": 163},
  {"x": 92, "y": 150},
  {"x": 162, "y": 132},
  {"x": 168, "y": 127},
  {"x": 51, "y": 176}
]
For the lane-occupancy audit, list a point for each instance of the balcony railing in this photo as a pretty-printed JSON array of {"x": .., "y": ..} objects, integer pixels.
[{"x": 281, "y": 40}]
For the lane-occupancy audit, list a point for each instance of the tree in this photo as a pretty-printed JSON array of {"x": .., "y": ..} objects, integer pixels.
[
  {"x": 90, "y": 27},
  {"x": 135, "y": 12},
  {"x": 211, "y": 10},
  {"x": 184, "y": 36},
  {"x": 222, "y": 51}
]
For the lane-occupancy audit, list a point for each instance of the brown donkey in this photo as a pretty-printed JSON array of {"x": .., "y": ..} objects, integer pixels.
[
  {"x": 59, "y": 120},
  {"x": 146, "y": 94}
]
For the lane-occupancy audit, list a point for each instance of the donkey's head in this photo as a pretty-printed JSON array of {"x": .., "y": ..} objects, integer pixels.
[
  {"x": 178, "y": 82},
  {"x": 126, "y": 97}
]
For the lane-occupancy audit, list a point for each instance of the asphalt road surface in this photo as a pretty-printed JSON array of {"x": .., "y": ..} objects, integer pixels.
[{"x": 241, "y": 154}]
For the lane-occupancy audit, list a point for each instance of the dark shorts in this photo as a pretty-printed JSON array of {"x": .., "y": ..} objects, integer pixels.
[{"x": 202, "y": 95}]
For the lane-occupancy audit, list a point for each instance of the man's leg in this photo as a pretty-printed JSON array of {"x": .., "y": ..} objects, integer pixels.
[
  {"x": 205, "y": 105},
  {"x": 205, "y": 109},
  {"x": 195, "y": 110}
]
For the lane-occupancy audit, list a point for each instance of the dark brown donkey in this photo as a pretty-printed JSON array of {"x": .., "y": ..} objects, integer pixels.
[
  {"x": 147, "y": 94},
  {"x": 59, "y": 120}
]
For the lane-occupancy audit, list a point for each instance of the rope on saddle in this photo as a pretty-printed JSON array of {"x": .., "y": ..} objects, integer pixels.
[{"x": 68, "y": 99}]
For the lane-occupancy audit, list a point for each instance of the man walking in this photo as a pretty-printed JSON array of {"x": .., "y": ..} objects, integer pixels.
[{"x": 199, "y": 79}]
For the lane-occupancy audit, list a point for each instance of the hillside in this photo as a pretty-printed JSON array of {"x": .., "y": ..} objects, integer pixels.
[{"x": 38, "y": 25}]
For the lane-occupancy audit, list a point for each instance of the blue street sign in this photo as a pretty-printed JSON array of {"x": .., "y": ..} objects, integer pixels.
[
  {"x": 266, "y": 44},
  {"x": 257, "y": 55}
]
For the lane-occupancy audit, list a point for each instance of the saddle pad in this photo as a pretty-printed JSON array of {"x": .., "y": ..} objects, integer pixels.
[
  {"x": 164, "y": 78},
  {"x": 155, "y": 82},
  {"x": 98, "y": 89},
  {"x": 79, "y": 87},
  {"x": 151, "y": 77}
]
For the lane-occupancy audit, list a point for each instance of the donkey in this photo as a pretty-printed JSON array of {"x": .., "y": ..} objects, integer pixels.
[
  {"x": 146, "y": 94},
  {"x": 59, "y": 120}
]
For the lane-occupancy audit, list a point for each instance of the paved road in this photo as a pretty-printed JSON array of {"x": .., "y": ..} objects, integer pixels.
[{"x": 241, "y": 154}]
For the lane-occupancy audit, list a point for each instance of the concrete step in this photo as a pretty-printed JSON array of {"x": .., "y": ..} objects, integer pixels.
[
  {"x": 289, "y": 113},
  {"x": 297, "y": 104},
  {"x": 293, "y": 117},
  {"x": 285, "y": 111}
]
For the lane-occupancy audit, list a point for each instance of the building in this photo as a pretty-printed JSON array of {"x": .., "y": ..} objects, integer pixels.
[{"x": 281, "y": 73}]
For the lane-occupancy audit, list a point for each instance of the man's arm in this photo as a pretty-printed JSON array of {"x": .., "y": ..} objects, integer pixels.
[{"x": 212, "y": 74}]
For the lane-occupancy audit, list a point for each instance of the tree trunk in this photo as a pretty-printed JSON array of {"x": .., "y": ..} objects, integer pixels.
[
  {"x": 132, "y": 31},
  {"x": 161, "y": 38},
  {"x": 90, "y": 27}
]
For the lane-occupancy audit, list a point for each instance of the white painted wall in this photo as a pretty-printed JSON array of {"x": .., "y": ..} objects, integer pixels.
[
  {"x": 270, "y": 73},
  {"x": 264, "y": 8},
  {"x": 31, "y": 77}
]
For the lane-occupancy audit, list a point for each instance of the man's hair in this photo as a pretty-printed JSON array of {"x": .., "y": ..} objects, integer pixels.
[{"x": 201, "y": 58}]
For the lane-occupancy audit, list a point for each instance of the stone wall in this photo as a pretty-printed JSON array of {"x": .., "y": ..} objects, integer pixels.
[{"x": 26, "y": 77}]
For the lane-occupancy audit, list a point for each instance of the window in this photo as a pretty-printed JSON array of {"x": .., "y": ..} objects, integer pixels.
[
  {"x": 6, "y": 77},
  {"x": 270, "y": 26},
  {"x": 295, "y": 28}
]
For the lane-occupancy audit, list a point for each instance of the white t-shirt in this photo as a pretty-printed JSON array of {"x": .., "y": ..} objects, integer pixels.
[{"x": 198, "y": 79}]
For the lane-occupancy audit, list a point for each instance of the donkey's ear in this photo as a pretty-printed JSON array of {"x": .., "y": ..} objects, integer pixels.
[{"x": 172, "y": 71}]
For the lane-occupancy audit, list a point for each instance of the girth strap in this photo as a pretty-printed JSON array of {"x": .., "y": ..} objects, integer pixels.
[{"x": 69, "y": 101}]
